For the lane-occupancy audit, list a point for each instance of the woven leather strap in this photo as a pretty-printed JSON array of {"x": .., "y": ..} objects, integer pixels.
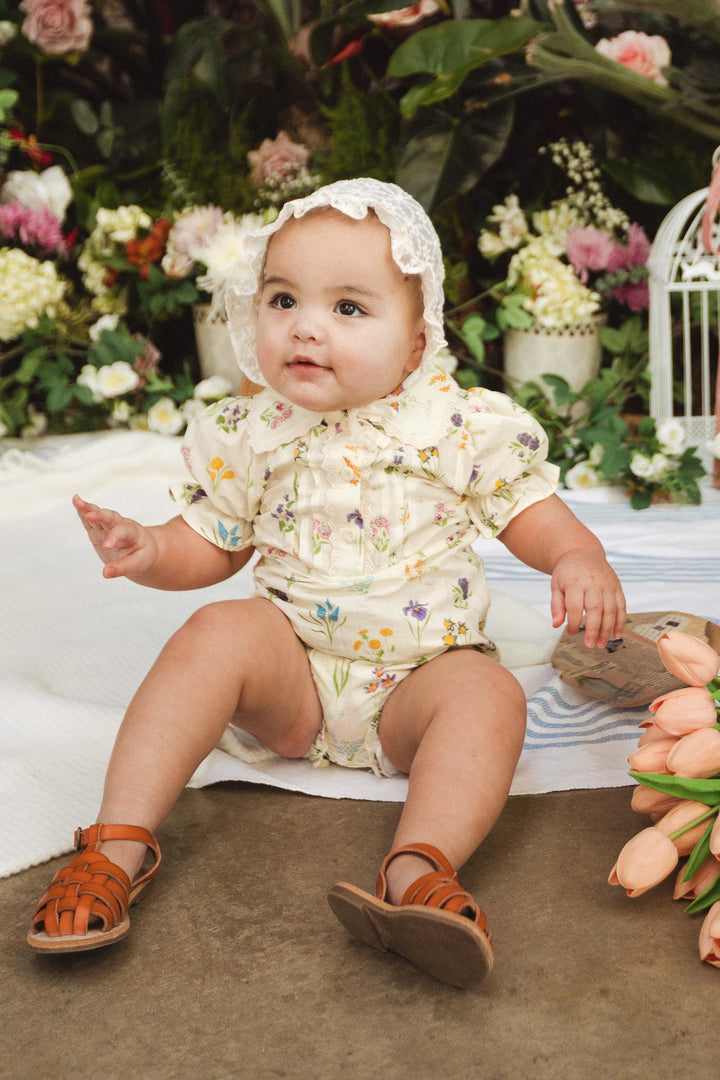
[
  {"x": 438, "y": 889},
  {"x": 91, "y": 889}
]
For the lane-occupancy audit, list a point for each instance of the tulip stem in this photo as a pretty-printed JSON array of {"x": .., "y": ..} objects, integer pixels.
[{"x": 710, "y": 812}]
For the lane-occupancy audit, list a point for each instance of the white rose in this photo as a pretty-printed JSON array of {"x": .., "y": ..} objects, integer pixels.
[
  {"x": 49, "y": 189},
  {"x": 88, "y": 377},
  {"x": 217, "y": 386},
  {"x": 714, "y": 446},
  {"x": 582, "y": 476},
  {"x": 597, "y": 452},
  {"x": 659, "y": 466},
  {"x": 165, "y": 417},
  {"x": 641, "y": 466},
  {"x": 116, "y": 379},
  {"x": 671, "y": 436}
]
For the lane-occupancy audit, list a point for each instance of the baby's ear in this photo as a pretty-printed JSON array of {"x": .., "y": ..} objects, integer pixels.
[{"x": 417, "y": 351}]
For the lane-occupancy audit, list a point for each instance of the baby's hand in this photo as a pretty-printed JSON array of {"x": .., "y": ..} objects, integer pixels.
[
  {"x": 127, "y": 548},
  {"x": 583, "y": 580}
]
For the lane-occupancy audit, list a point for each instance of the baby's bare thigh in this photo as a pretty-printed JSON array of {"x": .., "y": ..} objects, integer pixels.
[{"x": 277, "y": 699}]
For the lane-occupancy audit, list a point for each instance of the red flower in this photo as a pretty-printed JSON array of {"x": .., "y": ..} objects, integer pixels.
[
  {"x": 30, "y": 146},
  {"x": 146, "y": 250}
]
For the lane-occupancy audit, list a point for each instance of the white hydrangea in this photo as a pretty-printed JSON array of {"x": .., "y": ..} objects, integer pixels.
[
  {"x": 557, "y": 298},
  {"x": 165, "y": 417},
  {"x": 28, "y": 289}
]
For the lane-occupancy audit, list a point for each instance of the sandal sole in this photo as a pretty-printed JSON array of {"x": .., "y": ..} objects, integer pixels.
[{"x": 448, "y": 946}]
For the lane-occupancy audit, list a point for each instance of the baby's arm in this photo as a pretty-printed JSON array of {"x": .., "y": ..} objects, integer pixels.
[
  {"x": 548, "y": 537},
  {"x": 169, "y": 556}
]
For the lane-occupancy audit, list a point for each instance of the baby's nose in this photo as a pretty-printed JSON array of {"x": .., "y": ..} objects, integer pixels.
[{"x": 307, "y": 327}]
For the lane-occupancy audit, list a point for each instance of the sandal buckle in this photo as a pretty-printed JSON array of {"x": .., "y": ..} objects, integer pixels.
[{"x": 78, "y": 839}]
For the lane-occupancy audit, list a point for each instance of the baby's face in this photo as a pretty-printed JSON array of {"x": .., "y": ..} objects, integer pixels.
[{"x": 339, "y": 325}]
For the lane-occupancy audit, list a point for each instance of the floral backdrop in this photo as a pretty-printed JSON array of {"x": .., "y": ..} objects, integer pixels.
[{"x": 140, "y": 142}]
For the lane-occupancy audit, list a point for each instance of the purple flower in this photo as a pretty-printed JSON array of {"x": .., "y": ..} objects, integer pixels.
[
  {"x": 464, "y": 587},
  {"x": 417, "y": 611},
  {"x": 456, "y": 419},
  {"x": 531, "y": 441},
  {"x": 356, "y": 518}
]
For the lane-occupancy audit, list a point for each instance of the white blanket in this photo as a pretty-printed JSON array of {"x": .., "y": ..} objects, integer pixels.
[{"x": 73, "y": 647}]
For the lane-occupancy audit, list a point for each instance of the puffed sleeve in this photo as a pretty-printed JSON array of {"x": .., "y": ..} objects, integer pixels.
[
  {"x": 220, "y": 499},
  {"x": 509, "y": 470}
]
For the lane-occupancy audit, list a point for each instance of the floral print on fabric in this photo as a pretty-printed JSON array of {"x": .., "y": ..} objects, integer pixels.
[{"x": 364, "y": 522}]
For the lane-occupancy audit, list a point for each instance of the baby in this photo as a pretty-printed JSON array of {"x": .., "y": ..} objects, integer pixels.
[{"x": 361, "y": 474}]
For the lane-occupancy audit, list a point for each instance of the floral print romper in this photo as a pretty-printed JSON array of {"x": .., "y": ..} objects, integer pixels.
[{"x": 364, "y": 521}]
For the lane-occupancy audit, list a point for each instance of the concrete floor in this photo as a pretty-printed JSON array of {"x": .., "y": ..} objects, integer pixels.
[{"x": 235, "y": 967}]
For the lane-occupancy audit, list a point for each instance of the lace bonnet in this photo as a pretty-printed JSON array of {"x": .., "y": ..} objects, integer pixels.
[{"x": 413, "y": 241}]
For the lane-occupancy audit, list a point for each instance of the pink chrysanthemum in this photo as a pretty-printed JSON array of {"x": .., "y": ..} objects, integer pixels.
[{"x": 588, "y": 249}]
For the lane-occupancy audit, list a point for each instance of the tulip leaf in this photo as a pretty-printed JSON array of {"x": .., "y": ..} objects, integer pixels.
[
  {"x": 699, "y": 853},
  {"x": 705, "y": 899},
  {"x": 704, "y": 791}
]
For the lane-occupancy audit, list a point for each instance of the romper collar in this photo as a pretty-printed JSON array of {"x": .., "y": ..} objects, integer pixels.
[{"x": 412, "y": 413}]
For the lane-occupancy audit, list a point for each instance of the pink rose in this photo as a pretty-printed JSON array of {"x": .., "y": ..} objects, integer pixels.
[
  {"x": 406, "y": 16},
  {"x": 645, "y": 54},
  {"x": 278, "y": 157},
  {"x": 57, "y": 26}
]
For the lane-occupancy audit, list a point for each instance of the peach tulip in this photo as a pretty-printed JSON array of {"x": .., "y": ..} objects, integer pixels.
[
  {"x": 688, "y": 658},
  {"x": 709, "y": 943},
  {"x": 644, "y": 861},
  {"x": 705, "y": 876},
  {"x": 681, "y": 817},
  {"x": 651, "y": 733},
  {"x": 652, "y": 757},
  {"x": 684, "y": 710},
  {"x": 696, "y": 755},
  {"x": 715, "y": 839},
  {"x": 645, "y": 800}
]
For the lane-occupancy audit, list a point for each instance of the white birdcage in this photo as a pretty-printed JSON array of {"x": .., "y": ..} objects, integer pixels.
[{"x": 684, "y": 290}]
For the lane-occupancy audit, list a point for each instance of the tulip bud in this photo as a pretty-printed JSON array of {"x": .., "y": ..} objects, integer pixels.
[
  {"x": 647, "y": 801},
  {"x": 702, "y": 879},
  {"x": 696, "y": 755},
  {"x": 681, "y": 817},
  {"x": 684, "y": 710},
  {"x": 652, "y": 758},
  {"x": 645, "y": 860},
  {"x": 709, "y": 943},
  {"x": 651, "y": 733},
  {"x": 688, "y": 658}
]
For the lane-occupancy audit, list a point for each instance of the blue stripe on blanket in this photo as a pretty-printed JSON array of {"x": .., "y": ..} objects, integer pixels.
[
  {"x": 555, "y": 722},
  {"x": 628, "y": 568}
]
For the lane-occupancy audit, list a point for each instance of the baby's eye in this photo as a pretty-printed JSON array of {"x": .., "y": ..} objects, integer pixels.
[
  {"x": 348, "y": 307},
  {"x": 283, "y": 301}
]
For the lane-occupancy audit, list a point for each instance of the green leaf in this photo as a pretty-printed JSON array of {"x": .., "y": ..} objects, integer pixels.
[
  {"x": 699, "y": 853},
  {"x": 441, "y": 157},
  {"x": 705, "y": 791},
  {"x": 452, "y": 49},
  {"x": 475, "y": 331}
]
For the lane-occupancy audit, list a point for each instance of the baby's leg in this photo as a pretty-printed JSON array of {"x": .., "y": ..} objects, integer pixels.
[
  {"x": 456, "y": 726},
  {"x": 234, "y": 660}
]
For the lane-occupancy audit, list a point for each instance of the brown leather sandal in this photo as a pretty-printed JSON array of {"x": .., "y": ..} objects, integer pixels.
[
  {"x": 438, "y": 926},
  {"x": 86, "y": 905}
]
